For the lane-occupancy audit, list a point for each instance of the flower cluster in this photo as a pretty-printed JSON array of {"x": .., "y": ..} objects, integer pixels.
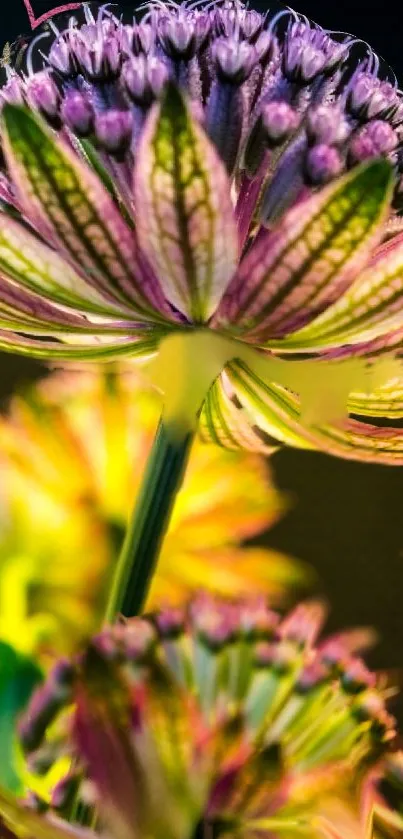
[
  {"x": 222, "y": 718},
  {"x": 222, "y": 188},
  {"x": 72, "y": 452}
]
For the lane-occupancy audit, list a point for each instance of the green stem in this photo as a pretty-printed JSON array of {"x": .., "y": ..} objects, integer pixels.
[{"x": 138, "y": 559}]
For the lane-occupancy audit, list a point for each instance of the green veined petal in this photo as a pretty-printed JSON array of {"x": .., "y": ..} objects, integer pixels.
[
  {"x": 27, "y": 260},
  {"x": 372, "y": 306},
  {"x": 298, "y": 270},
  {"x": 386, "y": 401},
  {"x": 186, "y": 224},
  {"x": 276, "y": 411},
  {"x": 224, "y": 422},
  {"x": 49, "y": 350},
  {"x": 68, "y": 199}
]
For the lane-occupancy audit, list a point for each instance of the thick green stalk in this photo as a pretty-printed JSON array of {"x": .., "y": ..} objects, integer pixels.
[{"x": 146, "y": 530}]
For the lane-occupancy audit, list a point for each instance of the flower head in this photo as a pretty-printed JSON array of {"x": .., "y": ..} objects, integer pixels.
[
  {"x": 72, "y": 450},
  {"x": 223, "y": 717},
  {"x": 223, "y": 189}
]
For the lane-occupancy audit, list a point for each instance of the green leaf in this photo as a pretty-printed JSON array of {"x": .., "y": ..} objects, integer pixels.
[
  {"x": 186, "y": 224},
  {"x": 296, "y": 271}
]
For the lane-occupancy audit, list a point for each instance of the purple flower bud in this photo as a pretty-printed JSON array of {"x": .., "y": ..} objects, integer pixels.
[
  {"x": 382, "y": 135},
  {"x": 144, "y": 78},
  {"x": 368, "y": 97},
  {"x": 215, "y": 624},
  {"x": 113, "y": 130},
  {"x": 326, "y": 124},
  {"x": 309, "y": 52},
  {"x": 266, "y": 46},
  {"x": 43, "y": 94},
  {"x": 234, "y": 60},
  {"x": 257, "y": 621},
  {"x": 279, "y": 120},
  {"x": 233, "y": 19},
  {"x": 322, "y": 164},
  {"x": 136, "y": 39},
  {"x": 361, "y": 148},
  {"x": 61, "y": 54},
  {"x": 356, "y": 677},
  {"x": 171, "y": 623},
  {"x": 13, "y": 91},
  {"x": 180, "y": 35},
  {"x": 302, "y": 61},
  {"x": 77, "y": 112},
  {"x": 314, "y": 674},
  {"x": 281, "y": 656},
  {"x": 139, "y": 638},
  {"x": 251, "y": 24},
  {"x": 98, "y": 53},
  {"x": 375, "y": 139}
]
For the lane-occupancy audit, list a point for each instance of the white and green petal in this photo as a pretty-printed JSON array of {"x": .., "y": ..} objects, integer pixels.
[
  {"x": 276, "y": 412},
  {"x": 68, "y": 200},
  {"x": 185, "y": 218},
  {"x": 96, "y": 348},
  {"x": 296, "y": 271},
  {"x": 31, "y": 263},
  {"x": 370, "y": 309}
]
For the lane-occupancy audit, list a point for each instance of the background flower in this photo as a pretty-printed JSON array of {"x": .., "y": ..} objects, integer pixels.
[
  {"x": 224, "y": 718},
  {"x": 72, "y": 452}
]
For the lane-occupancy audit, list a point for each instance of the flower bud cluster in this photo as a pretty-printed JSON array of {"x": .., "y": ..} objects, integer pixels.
[
  {"x": 256, "y": 84},
  {"x": 249, "y": 678}
]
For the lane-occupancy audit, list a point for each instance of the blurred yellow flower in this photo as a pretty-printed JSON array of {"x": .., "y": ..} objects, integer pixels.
[{"x": 72, "y": 452}]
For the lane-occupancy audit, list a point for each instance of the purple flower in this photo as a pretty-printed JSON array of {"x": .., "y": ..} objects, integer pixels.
[
  {"x": 220, "y": 715},
  {"x": 196, "y": 197}
]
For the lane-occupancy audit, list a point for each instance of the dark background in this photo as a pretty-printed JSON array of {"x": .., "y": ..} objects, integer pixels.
[{"x": 347, "y": 520}]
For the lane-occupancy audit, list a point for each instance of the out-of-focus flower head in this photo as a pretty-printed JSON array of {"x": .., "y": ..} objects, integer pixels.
[
  {"x": 72, "y": 452},
  {"x": 385, "y": 796},
  {"x": 222, "y": 718},
  {"x": 221, "y": 189}
]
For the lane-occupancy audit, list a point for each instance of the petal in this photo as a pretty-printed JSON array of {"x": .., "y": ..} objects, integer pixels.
[
  {"x": 386, "y": 402},
  {"x": 137, "y": 745},
  {"x": 24, "y": 821},
  {"x": 102, "y": 729},
  {"x": 63, "y": 194},
  {"x": 372, "y": 307},
  {"x": 142, "y": 347},
  {"x": 292, "y": 274},
  {"x": 27, "y": 260},
  {"x": 23, "y": 311},
  {"x": 276, "y": 412},
  {"x": 186, "y": 224},
  {"x": 224, "y": 421}
]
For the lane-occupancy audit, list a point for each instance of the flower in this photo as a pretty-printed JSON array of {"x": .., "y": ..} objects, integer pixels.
[
  {"x": 213, "y": 186},
  {"x": 72, "y": 451},
  {"x": 222, "y": 718},
  {"x": 386, "y": 801}
]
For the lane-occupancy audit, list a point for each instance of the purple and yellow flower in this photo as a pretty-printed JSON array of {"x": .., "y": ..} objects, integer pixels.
[
  {"x": 220, "y": 719},
  {"x": 214, "y": 188},
  {"x": 72, "y": 452}
]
